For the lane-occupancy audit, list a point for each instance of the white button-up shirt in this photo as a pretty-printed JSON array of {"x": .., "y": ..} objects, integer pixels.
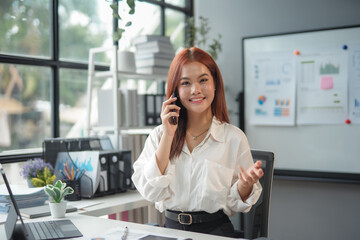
[{"x": 203, "y": 180}]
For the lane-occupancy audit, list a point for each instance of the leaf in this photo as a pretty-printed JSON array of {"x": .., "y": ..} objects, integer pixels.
[
  {"x": 128, "y": 24},
  {"x": 131, "y": 4},
  {"x": 114, "y": 7},
  {"x": 117, "y": 35},
  {"x": 57, "y": 195},
  {"x": 51, "y": 179},
  {"x": 115, "y": 10},
  {"x": 37, "y": 182},
  {"x": 116, "y": 15},
  {"x": 67, "y": 191},
  {"x": 58, "y": 184},
  {"x": 46, "y": 173},
  {"x": 40, "y": 174},
  {"x": 49, "y": 189}
]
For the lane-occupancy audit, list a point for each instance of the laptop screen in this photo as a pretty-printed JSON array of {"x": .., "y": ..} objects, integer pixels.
[{"x": 12, "y": 223}]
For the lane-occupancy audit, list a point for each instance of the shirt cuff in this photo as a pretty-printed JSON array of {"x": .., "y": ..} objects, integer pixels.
[
  {"x": 153, "y": 175},
  {"x": 245, "y": 206}
]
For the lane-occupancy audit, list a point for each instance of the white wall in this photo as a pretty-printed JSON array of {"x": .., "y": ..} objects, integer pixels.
[
  {"x": 235, "y": 19},
  {"x": 299, "y": 209}
]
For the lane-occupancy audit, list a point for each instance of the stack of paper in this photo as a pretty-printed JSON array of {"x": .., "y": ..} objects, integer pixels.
[
  {"x": 25, "y": 197},
  {"x": 154, "y": 54}
]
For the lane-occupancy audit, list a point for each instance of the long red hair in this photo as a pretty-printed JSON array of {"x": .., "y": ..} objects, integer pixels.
[{"x": 218, "y": 106}]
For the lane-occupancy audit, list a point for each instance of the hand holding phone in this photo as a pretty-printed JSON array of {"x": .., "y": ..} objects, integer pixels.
[{"x": 173, "y": 120}]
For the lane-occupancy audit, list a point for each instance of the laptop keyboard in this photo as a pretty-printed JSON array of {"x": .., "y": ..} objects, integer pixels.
[{"x": 45, "y": 230}]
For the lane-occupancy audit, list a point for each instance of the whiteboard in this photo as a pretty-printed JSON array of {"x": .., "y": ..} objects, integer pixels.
[{"x": 319, "y": 148}]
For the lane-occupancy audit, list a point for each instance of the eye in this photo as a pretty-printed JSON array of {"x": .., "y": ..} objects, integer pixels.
[
  {"x": 203, "y": 80},
  {"x": 183, "y": 83}
]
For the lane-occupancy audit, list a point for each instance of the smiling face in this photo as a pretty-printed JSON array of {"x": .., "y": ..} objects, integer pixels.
[{"x": 196, "y": 88}]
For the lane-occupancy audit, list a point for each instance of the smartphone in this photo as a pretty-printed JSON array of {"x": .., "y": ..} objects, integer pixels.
[{"x": 173, "y": 120}]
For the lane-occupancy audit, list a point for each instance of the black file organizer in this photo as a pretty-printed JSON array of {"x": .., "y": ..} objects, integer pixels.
[
  {"x": 52, "y": 146},
  {"x": 112, "y": 162},
  {"x": 118, "y": 177},
  {"x": 51, "y": 149}
]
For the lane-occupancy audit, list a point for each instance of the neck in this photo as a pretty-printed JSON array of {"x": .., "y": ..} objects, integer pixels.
[{"x": 199, "y": 122}]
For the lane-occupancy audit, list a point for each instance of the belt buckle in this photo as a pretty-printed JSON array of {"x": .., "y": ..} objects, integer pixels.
[{"x": 185, "y": 214}]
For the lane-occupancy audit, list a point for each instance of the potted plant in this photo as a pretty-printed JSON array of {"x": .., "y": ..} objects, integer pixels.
[
  {"x": 117, "y": 34},
  {"x": 126, "y": 59},
  {"x": 38, "y": 173},
  {"x": 57, "y": 192},
  {"x": 198, "y": 36}
]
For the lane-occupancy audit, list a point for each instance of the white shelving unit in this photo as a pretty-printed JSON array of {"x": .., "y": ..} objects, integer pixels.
[{"x": 115, "y": 75}]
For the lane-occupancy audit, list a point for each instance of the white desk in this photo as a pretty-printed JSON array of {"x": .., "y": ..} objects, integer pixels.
[
  {"x": 92, "y": 227},
  {"x": 131, "y": 199}
]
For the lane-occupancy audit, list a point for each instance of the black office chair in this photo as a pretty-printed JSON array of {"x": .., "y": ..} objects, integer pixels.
[{"x": 255, "y": 223}]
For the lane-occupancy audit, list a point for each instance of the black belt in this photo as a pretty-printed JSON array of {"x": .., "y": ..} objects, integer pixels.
[{"x": 188, "y": 218}]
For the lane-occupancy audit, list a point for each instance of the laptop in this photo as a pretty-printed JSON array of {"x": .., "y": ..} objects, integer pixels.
[{"x": 60, "y": 229}]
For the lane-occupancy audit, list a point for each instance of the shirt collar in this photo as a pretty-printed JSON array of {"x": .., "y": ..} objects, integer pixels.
[{"x": 217, "y": 130}]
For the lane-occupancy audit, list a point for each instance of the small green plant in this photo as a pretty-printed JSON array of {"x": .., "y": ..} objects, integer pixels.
[
  {"x": 115, "y": 12},
  {"x": 58, "y": 191},
  {"x": 198, "y": 36}
]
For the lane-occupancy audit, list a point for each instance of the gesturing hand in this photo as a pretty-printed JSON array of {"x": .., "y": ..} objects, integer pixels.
[{"x": 248, "y": 178}]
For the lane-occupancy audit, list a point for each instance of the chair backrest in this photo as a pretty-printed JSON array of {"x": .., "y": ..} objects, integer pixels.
[{"x": 255, "y": 223}]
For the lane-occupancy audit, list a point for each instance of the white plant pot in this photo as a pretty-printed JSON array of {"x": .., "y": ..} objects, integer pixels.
[
  {"x": 57, "y": 209},
  {"x": 126, "y": 62}
]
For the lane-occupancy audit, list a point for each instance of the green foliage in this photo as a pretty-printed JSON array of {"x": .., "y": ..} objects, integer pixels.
[
  {"x": 115, "y": 12},
  {"x": 25, "y": 30},
  {"x": 198, "y": 36},
  {"x": 43, "y": 178},
  {"x": 58, "y": 191}
]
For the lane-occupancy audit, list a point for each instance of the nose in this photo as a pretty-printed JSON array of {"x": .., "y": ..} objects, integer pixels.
[{"x": 195, "y": 88}]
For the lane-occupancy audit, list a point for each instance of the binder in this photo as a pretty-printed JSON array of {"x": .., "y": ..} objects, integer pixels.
[
  {"x": 153, "y": 106},
  {"x": 149, "y": 110}
]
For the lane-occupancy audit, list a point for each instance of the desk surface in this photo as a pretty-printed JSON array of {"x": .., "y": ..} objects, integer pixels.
[
  {"x": 92, "y": 227},
  {"x": 88, "y": 222},
  {"x": 100, "y": 206}
]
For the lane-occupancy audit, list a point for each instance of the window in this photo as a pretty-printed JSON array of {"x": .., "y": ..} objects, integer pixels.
[
  {"x": 44, "y": 48},
  {"x": 25, "y": 105},
  {"x": 25, "y": 28},
  {"x": 83, "y": 24}
]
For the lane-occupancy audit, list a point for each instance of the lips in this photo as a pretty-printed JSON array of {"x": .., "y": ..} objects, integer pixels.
[{"x": 197, "y": 100}]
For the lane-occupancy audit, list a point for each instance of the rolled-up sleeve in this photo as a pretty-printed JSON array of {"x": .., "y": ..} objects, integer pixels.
[
  {"x": 236, "y": 204},
  {"x": 244, "y": 159},
  {"x": 147, "y": 178}
]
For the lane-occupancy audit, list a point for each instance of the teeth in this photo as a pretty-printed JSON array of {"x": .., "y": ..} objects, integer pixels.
[{"x": 196, "y": 99}]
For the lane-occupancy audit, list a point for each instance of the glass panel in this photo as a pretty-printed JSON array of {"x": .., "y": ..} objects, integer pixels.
[
  {"x": 146, "y": 20},
  {"x": 24, "y": 106},
  {"x": 25, "y": 27},
  {"x": 84, "y": 24},
  {"x": 12, "y": 171},
  {"x": 179, "y": 3},
  {"x": 73, "y": 93},
  {"x": 175, "y": 27}
]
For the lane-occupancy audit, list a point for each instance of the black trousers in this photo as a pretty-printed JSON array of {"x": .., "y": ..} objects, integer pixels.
[{"x": 220, "y": 227}]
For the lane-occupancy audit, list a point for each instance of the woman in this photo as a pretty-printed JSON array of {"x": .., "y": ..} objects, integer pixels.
[{"x": 194, "y": 168}]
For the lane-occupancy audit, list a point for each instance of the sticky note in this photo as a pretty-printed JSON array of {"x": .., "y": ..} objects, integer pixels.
[{"x": 327, "y": 82}]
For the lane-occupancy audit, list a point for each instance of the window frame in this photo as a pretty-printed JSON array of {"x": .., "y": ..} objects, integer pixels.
[{"x": 55, "y": 64}]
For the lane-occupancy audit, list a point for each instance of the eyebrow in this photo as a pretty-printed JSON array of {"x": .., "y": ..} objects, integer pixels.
[{"x": 202, "y": 75}]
